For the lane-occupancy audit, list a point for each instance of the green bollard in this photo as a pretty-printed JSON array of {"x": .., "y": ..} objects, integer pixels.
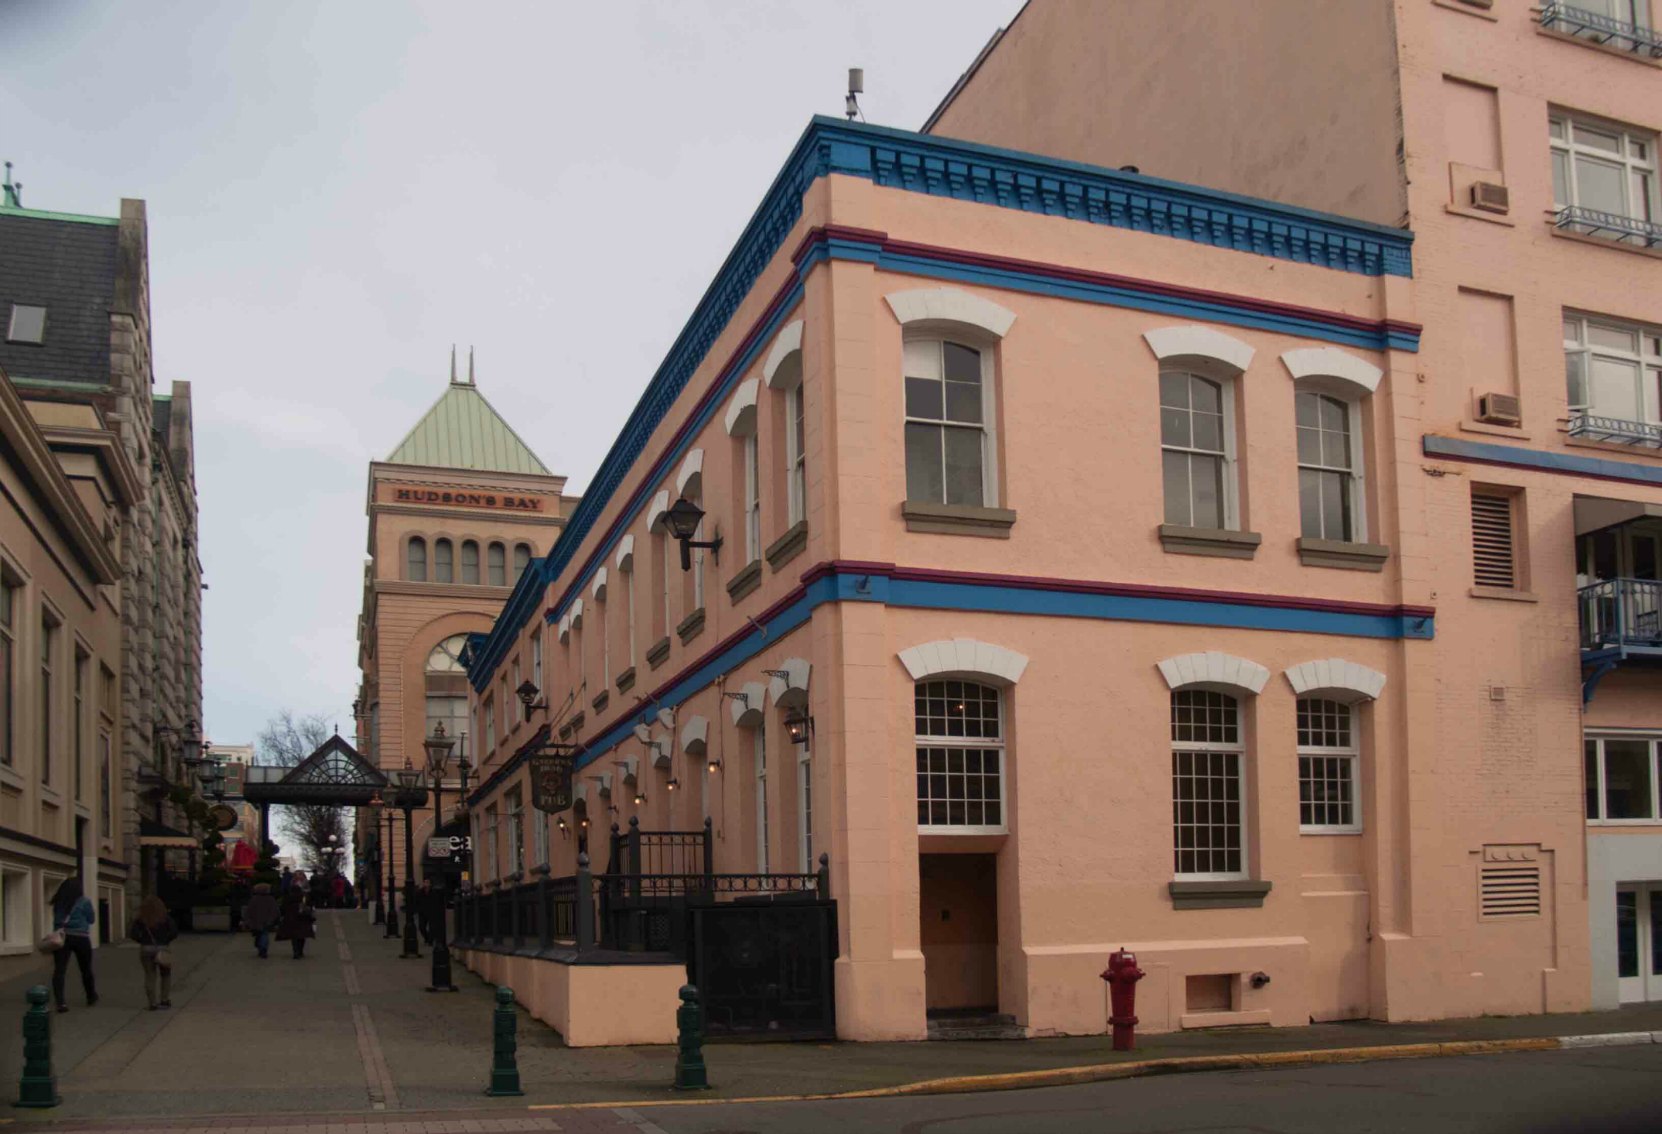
[
  {"x": 38, "y": 1087},
  {"x": 689, "y": 1059},
  {"x": 504, "y": 1070}
]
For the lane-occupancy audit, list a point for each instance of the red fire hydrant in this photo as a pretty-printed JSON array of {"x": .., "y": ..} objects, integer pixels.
[{"x": 1122, "y": 975}]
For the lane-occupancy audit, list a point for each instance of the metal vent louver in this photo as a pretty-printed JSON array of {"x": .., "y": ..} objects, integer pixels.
[
  {"x": 1511, "y": 890},
  {"x": 1492, "y": 555}
]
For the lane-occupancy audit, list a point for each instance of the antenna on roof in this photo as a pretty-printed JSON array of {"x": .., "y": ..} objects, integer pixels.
[
  {"x": 856, "y": 87},
  {"x": 452, "y": 364},
  {"x": 470, "y": 364},
  {"x": 13, "y": 198}
]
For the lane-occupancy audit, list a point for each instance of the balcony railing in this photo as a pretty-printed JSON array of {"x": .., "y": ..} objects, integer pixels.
[
  {"x": 1609, "y": 226},
  {"x": 1601, "y": 29},
  {"x": 1598, "y": 428},
  {"x": 1621, "y": 613}
]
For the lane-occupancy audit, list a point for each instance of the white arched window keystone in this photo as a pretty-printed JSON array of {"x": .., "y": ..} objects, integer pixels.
[{"x": 1329, "y": 742}]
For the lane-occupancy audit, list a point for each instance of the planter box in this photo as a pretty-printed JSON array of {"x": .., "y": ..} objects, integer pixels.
[{"x": 211, "y": 919}]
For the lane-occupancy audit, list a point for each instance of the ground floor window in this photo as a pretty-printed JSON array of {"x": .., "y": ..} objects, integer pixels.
[
  {"x": 1639, "y": 942},
  {"x": 1327, "y": 759},
  {"x": 16, "y": 923},
  {"x": 516, "y": 831},
  {"x": 1208, "y": 832},
  {"x": 805, "y": 805},
  {"x": 1621, "y": 777},
  {"x": 960, "y": 757}
]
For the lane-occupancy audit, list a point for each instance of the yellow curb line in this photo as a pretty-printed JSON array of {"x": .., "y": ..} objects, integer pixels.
[{"x": 1102, "y": 1072}]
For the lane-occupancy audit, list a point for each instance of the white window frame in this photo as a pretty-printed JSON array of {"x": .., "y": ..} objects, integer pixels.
[
  {"x": 51, "y": 639},
  {"x": 752, "y": 455},
  {"x": 983, "y": 743},
  {"x": 669, "y": 569},
  {"x": 491, "y": 820},
  {"x": 629, "y": 601},
  {"x": 1231, "y": 467},
  {"x": 490, "y": 724},
  {"x": 603, "y": 630},
  {"x": 989, "y": 403},
  {"x": 17, "y": 913},
  {"x": 536, "y": 662},
  {"x": 805, "y": 806},
  {"x": 1350, "y": 755},
  {"x": 1654, "y": 740},
  {"x": 759, "y": 764},
  {"x": 524, "y": 709},
  {"x": 539, "y": 832},
  {"x": 1238, "y": 749},
  {"x": 1639, "y": 174},
  {"x": 12, "y": 602},
  {"x": 1356, "y": 473},
  {"x": 796, "y": 460},
  {"x": 513, "y": 803},
  {"x": 1581, "y": 354}
]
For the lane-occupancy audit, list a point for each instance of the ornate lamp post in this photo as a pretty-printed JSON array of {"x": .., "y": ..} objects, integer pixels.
[
  {"x": 438, "y": 748},
  {"x": 375, "y": 806},
  {"x": 409, "y": 782},
  {"x": 392, "y": 882}
]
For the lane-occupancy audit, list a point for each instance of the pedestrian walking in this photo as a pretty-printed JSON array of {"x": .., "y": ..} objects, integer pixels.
[
  {"x": 298, "y": 922},
  {"x": 72, "y": 916},
  {"x": 154, "y": 931},
  {"x": 260, "y": 917},
  {"x": 285, "y": 882},
  {"x": 349, "y": 901},
  {"x": 337, "y": 892},
  {"x": 424, "y": 910}
]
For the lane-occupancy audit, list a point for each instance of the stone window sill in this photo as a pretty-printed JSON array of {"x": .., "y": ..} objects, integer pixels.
[
  {"x": 626, "y": 680},
  {"x": 957, "y": 519},
  {"x": 1338, "y": 553},
  {"x": 1238, "y": 894},
  {"x": 691, "y": 626},
  {"x": 10, "y": 778},
  {"x": 788, "y": 546},
  {"x": 1209, "y": 541},
  {"x": 658, "y": 653},
  {"x": 1481, "y": 13},
  {"x": 601, "y": 700},
  {"x": 747, "y": 580},
  {"x": 1504, "y": 593}
]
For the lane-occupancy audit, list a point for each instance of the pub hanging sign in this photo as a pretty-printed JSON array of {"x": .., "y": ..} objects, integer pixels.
[{"x": 551, "y": 781}]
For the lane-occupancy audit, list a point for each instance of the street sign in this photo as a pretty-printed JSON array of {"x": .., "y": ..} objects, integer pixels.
[
  {"x": 443, "y": 846},
  {"x": 438, "y": 848},
  {"x": 551, "y": 781}
]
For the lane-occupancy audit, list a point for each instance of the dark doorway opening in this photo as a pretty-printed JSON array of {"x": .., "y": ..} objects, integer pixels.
[{"x": 958, "y": 932}]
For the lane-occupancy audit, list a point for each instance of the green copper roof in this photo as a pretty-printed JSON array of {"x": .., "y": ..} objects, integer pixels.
[{"x": 464, "y": 431}]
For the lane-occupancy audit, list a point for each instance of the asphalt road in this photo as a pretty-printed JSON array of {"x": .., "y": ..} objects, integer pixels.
[{"x": 1588, "y": 1091}]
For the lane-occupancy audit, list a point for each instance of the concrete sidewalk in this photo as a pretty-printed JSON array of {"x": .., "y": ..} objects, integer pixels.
[{"x": 351, "y": 1031}]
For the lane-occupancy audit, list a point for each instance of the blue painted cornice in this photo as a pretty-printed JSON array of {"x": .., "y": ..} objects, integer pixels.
[{"x": 966, "y": 171}]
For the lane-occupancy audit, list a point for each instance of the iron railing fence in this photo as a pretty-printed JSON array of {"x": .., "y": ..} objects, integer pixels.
[
  {"x": 634, "y": 851},
  {"x": 1601, "y": 28},
  {"x": 1620, "y": 613},
  {"x": 1598, "y": 428},
  {"x": 1608, "y": 226}
]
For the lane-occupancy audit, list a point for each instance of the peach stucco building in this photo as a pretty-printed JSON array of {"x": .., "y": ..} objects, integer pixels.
[{"x": 1519, "y": 143}]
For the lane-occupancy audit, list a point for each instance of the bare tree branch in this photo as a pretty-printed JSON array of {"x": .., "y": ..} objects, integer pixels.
[{"x": 286, "y": 741}]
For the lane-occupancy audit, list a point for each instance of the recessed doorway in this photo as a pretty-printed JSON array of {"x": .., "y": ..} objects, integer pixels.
[
  {"x": 1639, "y": 942},
  {"x": 958, "y": 931}
]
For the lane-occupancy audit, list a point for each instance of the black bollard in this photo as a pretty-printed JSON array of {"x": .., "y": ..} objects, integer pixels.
[
  {"x": 38, "y": 1088},
  {"x": 689, "y": 1058},
  {"x": 504, "y": 1068}
]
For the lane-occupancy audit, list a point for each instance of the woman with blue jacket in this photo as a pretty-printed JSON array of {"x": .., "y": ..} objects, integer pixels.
[{"x": 72, "y": 913}]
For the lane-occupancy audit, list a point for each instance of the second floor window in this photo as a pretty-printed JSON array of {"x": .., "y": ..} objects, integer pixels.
[
  {"x": 796, "y": 461},
  {"x": 522, "y": 559},
  {"x": 470, "y": 562},
  {"x": 1621, "y": 779},
  {"x": 1602, "y": 168},
  {"x": 752, "y": 498},
  {"x": 444, "y": 568},
  {"x": 1328, "y": 467},
  {"x": 948, "y": 450},
  {"x": 9, "y": 593},
  {"x": 1613, "y": 370},
  {"x": 48, "y": 654},
  {"x": 1196, "y": 442},
  {"x": 516, "y": 832},
  {"x": 417, "y": 561}
]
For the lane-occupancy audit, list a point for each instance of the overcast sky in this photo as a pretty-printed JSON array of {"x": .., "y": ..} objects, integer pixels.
[{"x": 339, "y": 191}]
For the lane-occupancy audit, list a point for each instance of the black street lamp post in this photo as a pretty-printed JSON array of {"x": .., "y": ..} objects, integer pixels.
[
  {"x": 438, "y": 756},
  {"x": 375, "y": 806},
  {"x": 392, "y": 882},
  {"x": 409, "y": 781}
]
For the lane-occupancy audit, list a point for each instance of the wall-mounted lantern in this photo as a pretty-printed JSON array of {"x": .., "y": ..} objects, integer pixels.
[{"x": 683, "y": 519}]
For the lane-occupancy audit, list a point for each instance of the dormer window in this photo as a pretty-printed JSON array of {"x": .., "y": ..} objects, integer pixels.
[{"x": 27, "y": 324}]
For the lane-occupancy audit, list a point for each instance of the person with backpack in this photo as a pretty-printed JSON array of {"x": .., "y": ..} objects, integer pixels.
[
  {"x": 154, "y": 931},
  {"x": 72, "y": 919}
]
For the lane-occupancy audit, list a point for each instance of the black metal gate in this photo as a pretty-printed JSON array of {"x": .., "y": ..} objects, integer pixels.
[{"x": 764, "y": 968}]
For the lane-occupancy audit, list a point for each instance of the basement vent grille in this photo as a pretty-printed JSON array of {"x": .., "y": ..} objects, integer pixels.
[
  {"x": 1492, "y": 556},
  {"x": 1512, "y": 890}
]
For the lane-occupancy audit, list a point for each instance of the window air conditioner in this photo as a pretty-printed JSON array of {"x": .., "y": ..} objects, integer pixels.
[
  {"x": 1490, "y": 197},
  {"x": 1499, "y": 409}
]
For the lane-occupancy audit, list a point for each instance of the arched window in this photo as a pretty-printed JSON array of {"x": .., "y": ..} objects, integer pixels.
[
  {"x": 1207, "y": 754},
  {"x": 444, "y": 569},
  {"x": 470, "y": 562},
  {"x": 446, "y": 687},
  {"x": 498, "y": 565},
  {"x": 1197, "y": 446},
  {"x": 949, "y": 424},
  {"x": 1327, "y": 758},
  {"x": 960, "y": 757},
  {"x": 416, "y": 562},
  {"x": 1329, "y": 466},
  {"x": 522, "y": 559}
]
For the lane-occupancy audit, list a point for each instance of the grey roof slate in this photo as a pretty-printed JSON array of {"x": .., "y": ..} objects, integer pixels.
[{"x": 68, "y": 267}]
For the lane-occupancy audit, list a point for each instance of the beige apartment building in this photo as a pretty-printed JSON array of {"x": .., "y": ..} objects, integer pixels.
[
  {"x": 457, "y": 512},
  {"x": 1518, "y": 142}
]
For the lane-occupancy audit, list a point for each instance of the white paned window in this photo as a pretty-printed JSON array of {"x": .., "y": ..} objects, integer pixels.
[
  {"x": 1622, "y": 781},
  {"x": 669, "y": 573},
  {"x": 629, "y": 622},
  {"x": 490, "y": 842},
  {"x": 949, "y": 449},
  {"x": 48, "y": 654},
  {"x": 796, "y": 461},
  {"x": 752, "y": 499},
  {"x": 513, "y": 801},
  {"x": 1327, "y": 763},
  {"x": 79, "y": 724},
  {"x": 1197, "y": 443},
  {"x": 698, "y": 562},
  {"x": 805, "y": 805},
  {"x": 759, "y": 751},
  {"x": 960, "y": 757},
  {"x": 1329, "y": 467},
  {"x": 602, "y": 620},
  {"x": 1207, "y": 785},
  {"x": 1614, "y": 370},
  {"x": 490, "y": 725},
  {"x": 539, "y": 828},
  {"x": 1604, "y": 168}
]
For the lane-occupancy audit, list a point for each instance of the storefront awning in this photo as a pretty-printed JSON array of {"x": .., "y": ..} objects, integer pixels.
[
  {"x": 1595, "y": 513},
  {"x": 154, "y": 834}
]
